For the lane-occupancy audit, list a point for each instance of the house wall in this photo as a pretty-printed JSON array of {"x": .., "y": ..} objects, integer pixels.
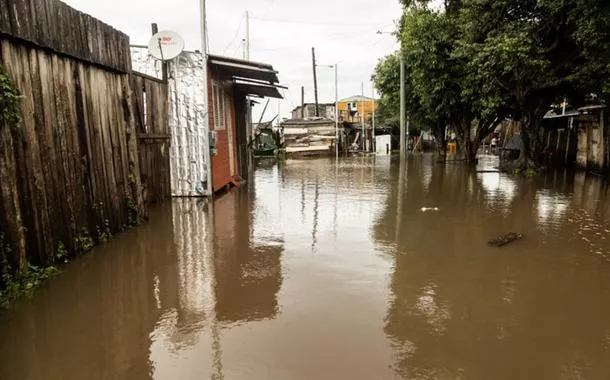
[
  {"x": 224, "y": 168},
  {"x": 365, "y": 106}
]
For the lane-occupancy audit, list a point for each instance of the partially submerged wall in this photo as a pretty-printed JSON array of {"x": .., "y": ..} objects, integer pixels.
[{"x": 70, "y": 171}]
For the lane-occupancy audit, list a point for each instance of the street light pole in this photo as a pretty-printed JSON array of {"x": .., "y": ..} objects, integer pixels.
[
  {"x": 403, "y": 110},
  {"x": 336, "y": 112}
]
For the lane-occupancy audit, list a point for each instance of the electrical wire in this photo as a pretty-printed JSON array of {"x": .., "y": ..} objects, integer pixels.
[
  {"x": 360, "y": 24},
  {"x": 235, "y": 36},
  {"x": 271, "y": 4}
]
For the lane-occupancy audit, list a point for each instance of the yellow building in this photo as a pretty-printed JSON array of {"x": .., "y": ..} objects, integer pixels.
[{"x": 352, "y": 109}]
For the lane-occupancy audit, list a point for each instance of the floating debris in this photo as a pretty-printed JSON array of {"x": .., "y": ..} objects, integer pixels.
[
  {"x": 505, "y": 239},
  {"x": 426, "y": 209}
]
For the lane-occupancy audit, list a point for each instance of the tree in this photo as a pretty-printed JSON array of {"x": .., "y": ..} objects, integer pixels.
[
  {"x": 527, "y": 54},
  {"x": 387, "y": 81},
  {"x": 438, "y": 77},
  {"x": 476, "y": 62}
]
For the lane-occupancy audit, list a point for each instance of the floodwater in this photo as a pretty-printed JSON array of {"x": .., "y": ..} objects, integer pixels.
[{"x": 324, "y": 271}]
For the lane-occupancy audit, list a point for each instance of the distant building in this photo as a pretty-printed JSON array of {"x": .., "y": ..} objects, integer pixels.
[
  {"x": 309, "y": 137},
  {"x": 352, "y": 109},
  {"x": 308, "y": 111}
]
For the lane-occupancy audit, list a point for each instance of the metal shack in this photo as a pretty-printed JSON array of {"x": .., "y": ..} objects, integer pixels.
[{"x": 230, "y": 83}]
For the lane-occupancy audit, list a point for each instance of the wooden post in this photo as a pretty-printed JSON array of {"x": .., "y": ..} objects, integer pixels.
[
  {"x": 302, "y": 102},
  {"x": 155, "y": 30},
  {"x": 315, "y": 80}
]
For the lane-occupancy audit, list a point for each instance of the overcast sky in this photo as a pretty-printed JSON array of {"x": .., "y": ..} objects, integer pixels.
[{"x": 282, "y": 33}]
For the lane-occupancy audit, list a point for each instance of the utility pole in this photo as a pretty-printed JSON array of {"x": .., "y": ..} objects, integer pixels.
[
  {"x": 315, "y": 80},
  {"x": 403, "y": 110},
  {"x": 302, "y": 102},
  {"x": 373, "y": 121},
  {"x": 336, "y": 112},
  {"x": 206, "y": 125},
  {"x": 247, "y": 36},
  {"x": 362, "y": 117}
]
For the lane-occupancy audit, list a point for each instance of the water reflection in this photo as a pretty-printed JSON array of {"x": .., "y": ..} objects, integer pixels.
[
  {"x": 462, "y": 309},
  {"x": 249, "y": 274}
]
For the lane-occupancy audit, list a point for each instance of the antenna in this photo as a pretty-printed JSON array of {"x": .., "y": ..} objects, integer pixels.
[{"x": 165, "y": 45}]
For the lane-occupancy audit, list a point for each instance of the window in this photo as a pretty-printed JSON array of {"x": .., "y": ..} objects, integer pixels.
[{"x": 220, "y": 113}]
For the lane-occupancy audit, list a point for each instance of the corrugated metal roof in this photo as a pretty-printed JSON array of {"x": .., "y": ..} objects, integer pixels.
[
  {"x": 259, "y": 90},
  {"x": 356, "y": 98},
  {"x": 244, "y": 69}
]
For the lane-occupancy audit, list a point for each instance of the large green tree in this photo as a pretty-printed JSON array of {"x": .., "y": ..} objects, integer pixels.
[
  {"x": 530, "y": 54},
  {"x": 475, "y": 62}
]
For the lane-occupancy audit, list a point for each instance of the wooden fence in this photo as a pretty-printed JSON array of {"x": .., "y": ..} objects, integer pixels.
[
  {"x": 150, "y": 97},
  {"x": 70, "y": 173}
]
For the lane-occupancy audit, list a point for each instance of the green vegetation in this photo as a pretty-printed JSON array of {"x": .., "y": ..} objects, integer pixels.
[
  {"x": 133, "y": 213},
  {"x": 10, "y": 98},
  {"x": 62, "y": 253},
  {"x": 132, "y": 207},
  {"x": 103, "y": 232},
  {"x": 83, "y": 243},
  {"x": 14, "y": 286},
  {"x": 474, "y": 63}
]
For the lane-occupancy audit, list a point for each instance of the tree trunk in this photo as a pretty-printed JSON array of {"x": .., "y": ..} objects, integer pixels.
[
  {"x": 529, "y": 156},
  {"x": 469, "y": 148},
  {"x": 441, "y": 142}
]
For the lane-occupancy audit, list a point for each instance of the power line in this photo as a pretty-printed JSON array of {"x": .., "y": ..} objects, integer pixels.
[
  {"x": 271, "y": 4},
  {"x": 236, "y": 35},
  {"x": 342, "y": 37},
  {"x": 360, "y": 24}
]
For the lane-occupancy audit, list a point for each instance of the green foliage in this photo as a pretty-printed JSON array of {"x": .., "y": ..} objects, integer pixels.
[
  {"x": 10, "y": 98},
  {"x": 133, "y": 213},
  {"x": 475, "y": 62},
  {"x": 83, "y": 243},
  {"x": 62, "y": 253},
  {"x": 103, "y": 232},
  {"x": 14, "y": 285},
  {"x": 387, "y": 82}
]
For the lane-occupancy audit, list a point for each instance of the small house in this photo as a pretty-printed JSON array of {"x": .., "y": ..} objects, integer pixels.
[{"x": 231, "y": 82}]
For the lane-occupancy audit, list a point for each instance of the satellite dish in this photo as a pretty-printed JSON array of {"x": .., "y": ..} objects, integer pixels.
[{"x": 166, "y": 45}]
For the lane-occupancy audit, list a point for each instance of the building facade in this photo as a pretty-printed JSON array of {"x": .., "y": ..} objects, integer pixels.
[{"x": 352, "y": 109}]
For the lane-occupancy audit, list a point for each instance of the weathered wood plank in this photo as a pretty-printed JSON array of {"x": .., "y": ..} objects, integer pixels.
[{"x": 54, "y": 26}]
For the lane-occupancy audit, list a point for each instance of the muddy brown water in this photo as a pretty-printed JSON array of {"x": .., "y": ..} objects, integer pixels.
[{"x": 324, "y": 271}]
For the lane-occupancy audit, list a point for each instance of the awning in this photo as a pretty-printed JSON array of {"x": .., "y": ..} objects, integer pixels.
[
  {"x": 251, "y": 78},
  {"x": 259, "y": 90},
  {"x": 245, "y": 69}
]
